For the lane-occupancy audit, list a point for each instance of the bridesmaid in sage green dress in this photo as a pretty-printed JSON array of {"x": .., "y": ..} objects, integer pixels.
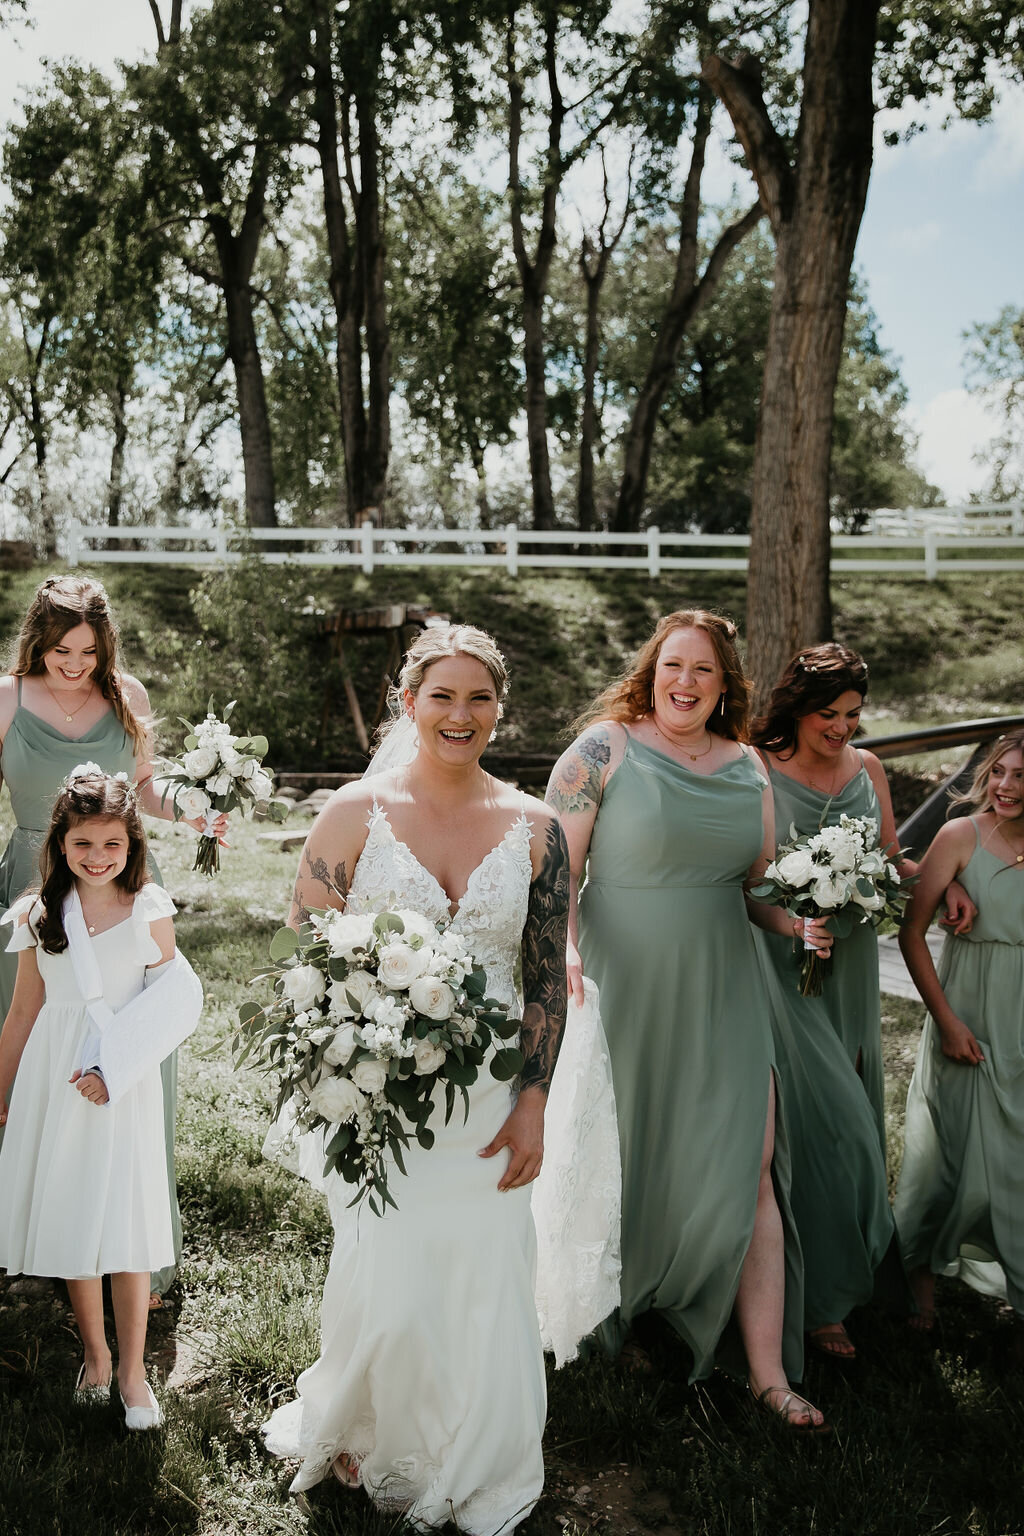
[
  {"x": 65, "y": 702},
  {"x": 960, "y": 1198},
  {"x": 671, "y": 816},
  {"x": 829, "y": 1048}
]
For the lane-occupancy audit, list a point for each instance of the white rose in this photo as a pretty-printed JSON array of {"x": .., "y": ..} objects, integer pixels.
[
  {"x": 303, "y": 987},
  {"x": 262, "y": 785},
  {"x": 432, "y": 997},
  {"x": 428, "y": 1057},
  {"x": 416, "y": 923},
  {"x": 829, "y": 892},
  {"x": 357, "y": 984},
  {"x": 873, "y": 863},
  {"x": 796, "y": 868},
  {"x": 336, "y": 1098},
  {"x": 347, "y": 932},
  {"x": 370, "y": 1076},
  {"x": 220, "y": 784},
  {"x": 398, "y": 964},
  {"x": 200, "y": 762},
  {"x": 873, "y": 903},
  {"x": 341, "y": 1047},
  {"x": 192, "y": 801}
]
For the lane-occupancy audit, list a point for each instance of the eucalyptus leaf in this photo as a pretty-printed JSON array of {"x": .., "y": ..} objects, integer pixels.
[
  {"x": 284, "y": 944},
  {"x": 507, "y": 1064}
]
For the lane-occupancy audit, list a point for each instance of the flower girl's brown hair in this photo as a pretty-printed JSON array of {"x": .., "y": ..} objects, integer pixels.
[{"x": 86, "y": 794}]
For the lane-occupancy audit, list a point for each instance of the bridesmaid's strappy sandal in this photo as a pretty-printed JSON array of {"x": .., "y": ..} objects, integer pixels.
[
  {"x": 345, "y": 1467},
  {"x": 791, "y": 1403},
  {"x": 832, "y": 1339}
]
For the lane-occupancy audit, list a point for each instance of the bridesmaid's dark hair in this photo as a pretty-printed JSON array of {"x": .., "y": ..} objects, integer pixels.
[
  {"x": 60, "y": 604},
  {"x": 86, "y": 795},
  {"x": 629, "y": 697},
  {"x": 812, "y": 679},
  {"x": 976, "y": 794}
]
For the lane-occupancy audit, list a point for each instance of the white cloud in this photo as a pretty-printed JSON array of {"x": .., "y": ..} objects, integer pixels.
[
  {"x": 952, "y": 427},
  {"x": 917, "y": 237}
]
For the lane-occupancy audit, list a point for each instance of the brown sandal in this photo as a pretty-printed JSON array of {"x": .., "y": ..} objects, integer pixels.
[{"x": 345, "y": 1467}]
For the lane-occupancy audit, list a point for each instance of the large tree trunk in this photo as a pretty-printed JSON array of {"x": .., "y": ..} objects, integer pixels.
[
  {"x": 372, "y": 254},
  {"x": 593, "y": 277},
  {"x": 253, "y": 418},
  {"x": 815, "y": 204}
]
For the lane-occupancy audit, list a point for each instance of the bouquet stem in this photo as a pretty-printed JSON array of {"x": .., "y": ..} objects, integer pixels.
[
  {"x": 207, "y": 855},
  {"x": 813, "y": 970}
]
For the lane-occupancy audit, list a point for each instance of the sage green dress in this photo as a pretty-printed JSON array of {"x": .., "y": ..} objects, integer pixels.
[
  {"x": 35, "y": 761},
  {"x": 851, "y": 995},
  {"x": 839, "y": 1193},
  {"x": 664, "y": 932},
  {"x": 960, "y": 1198}
]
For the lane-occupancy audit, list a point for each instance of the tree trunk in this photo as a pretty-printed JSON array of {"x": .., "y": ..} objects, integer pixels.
[
  {"x": 115, "y": 496},
  {"x": 253, "y": 419},
  {"x": 534, "y": 272},
  {"x": 345, "y": 290},
  {"x": 815, "y": 204},
  {"x": 372, "y": 254},
  {"x": 47, "y": 526},
  {"x": 586, "y": 511}
]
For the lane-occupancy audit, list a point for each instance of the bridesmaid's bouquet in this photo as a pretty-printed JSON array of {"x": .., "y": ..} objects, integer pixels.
[
  {"x": 219, "y": 772},
  {"x": 838, "y": 872},
  {"x": 371, "y": 1013}
]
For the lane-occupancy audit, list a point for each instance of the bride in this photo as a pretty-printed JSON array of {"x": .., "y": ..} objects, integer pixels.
[{"x": 429, "y": 1391}]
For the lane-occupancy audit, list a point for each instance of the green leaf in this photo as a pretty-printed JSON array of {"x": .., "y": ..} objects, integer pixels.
[
  {"x": 339, "y": 1141},
  {"x": 284, "y": 944},
  {"x": 507, "y": 1064},
  {"x": 388, "y": 922},
  {"x": 425, "y": 1137},
  {"x": 460, "y": 1073},
  {"x": 249, "y": 1012}
]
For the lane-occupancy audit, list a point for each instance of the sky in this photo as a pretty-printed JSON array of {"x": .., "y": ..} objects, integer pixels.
[{"x": 940, "y": 245}]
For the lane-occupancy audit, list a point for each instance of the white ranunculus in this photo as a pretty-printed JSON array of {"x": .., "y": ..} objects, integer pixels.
[
  {"x": 342, "y": 1046},
  {"x": 200, "y": 762},
  {"x": 796, "y": 868},
  {"x": 192, "y": 801},
  {"x": 428, "y": 1057},
  {"x": 432, "y": 997},
  {"x": 220, "y": 784},
  {"x": 348, "y": 933},
  {"x": 359, "y": 985},
  {"x": 872, "y": 863},
  {"x": 303, "y": 986},
  {"x": 370, "y": 1076},
  {"x": 336, "y": 1098},
  {"x": 399, "y": 964}
]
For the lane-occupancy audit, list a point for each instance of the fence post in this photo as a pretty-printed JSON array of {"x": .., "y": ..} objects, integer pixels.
[
  {"x": 653, "y": 551},
  {"x": 512, "y": 548},
  {"x": 1017, "y": 520},
  {"x": 366, "y": 547},
  {"x": 74, "y": 542},
  {"x": 931, "y": 554},
  {"x": 220, "y": 543}
]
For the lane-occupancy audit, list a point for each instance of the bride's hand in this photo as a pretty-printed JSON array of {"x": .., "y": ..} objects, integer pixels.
[
  {"x": 523, "y": 1135},
  {"x": 574, "y": 973}
]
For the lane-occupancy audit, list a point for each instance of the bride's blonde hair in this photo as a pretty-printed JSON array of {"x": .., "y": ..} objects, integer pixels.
[{"x": 436, "y": 643}]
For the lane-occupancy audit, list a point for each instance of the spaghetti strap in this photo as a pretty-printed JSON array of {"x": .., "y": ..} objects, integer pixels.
[{"x": 977, "y": 834}]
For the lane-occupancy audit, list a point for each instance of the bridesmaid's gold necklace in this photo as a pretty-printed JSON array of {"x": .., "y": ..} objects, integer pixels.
[
  {"x": 1018, "y": 858},
  {"x": 63, "y": 707},
  {"x": 693, "y": 756}
]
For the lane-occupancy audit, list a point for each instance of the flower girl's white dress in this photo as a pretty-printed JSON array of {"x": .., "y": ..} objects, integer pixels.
[
  {"x": 431, "y": 1369},
  {"x": 83, "y": 1187}
]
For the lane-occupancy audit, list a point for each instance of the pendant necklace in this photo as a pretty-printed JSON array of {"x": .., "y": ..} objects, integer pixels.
[
  {"x": 63, "y": 707},
  {"x": 693, "y": 756},
  {"x": 1018, "y": 858}
]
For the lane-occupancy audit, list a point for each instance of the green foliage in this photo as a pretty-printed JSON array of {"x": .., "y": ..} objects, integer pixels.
[{"x": 995, "y": 372}]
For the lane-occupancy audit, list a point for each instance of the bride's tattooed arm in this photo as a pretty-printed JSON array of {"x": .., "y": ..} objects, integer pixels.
[
  {"x": 544, "y": 978},
  {"x": 316, "y": 886}
]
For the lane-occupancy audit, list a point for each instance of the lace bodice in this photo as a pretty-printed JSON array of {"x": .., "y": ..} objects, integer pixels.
[{"x": 492, "y": 912}]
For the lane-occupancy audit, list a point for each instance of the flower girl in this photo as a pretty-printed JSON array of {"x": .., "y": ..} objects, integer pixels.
[{"x": 101, "y": 998}]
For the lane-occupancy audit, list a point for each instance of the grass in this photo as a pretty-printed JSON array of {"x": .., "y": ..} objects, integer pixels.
[{"x": 928, "y": 1432}]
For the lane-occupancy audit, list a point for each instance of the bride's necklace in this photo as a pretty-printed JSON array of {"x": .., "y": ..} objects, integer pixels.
[
  {"x": 693, "y": 756},
  {"x": 63, "y": 707}
]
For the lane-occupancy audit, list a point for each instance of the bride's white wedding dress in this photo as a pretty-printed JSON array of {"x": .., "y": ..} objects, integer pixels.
[{"x": 431, "y": 1370}]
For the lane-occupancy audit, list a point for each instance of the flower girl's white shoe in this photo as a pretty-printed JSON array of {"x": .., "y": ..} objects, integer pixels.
[
  {"x": 143, "y": 1418},
  {"x": 93, "y": 1395}
]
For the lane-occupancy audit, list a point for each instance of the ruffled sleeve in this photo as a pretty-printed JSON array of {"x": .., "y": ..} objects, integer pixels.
[
  {"x": 151, "y": 903},
  {"x": 24, "y": 934}
]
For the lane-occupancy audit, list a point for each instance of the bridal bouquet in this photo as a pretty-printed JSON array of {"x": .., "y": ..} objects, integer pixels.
[
  {"x": 838, "y": 872},
  {"x": 219, "y": 772},
  {"x": 371, "y": 1012}
]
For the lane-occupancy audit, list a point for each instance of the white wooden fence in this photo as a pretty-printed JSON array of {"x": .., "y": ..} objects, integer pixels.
[{"x": 937, "y": 551}]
